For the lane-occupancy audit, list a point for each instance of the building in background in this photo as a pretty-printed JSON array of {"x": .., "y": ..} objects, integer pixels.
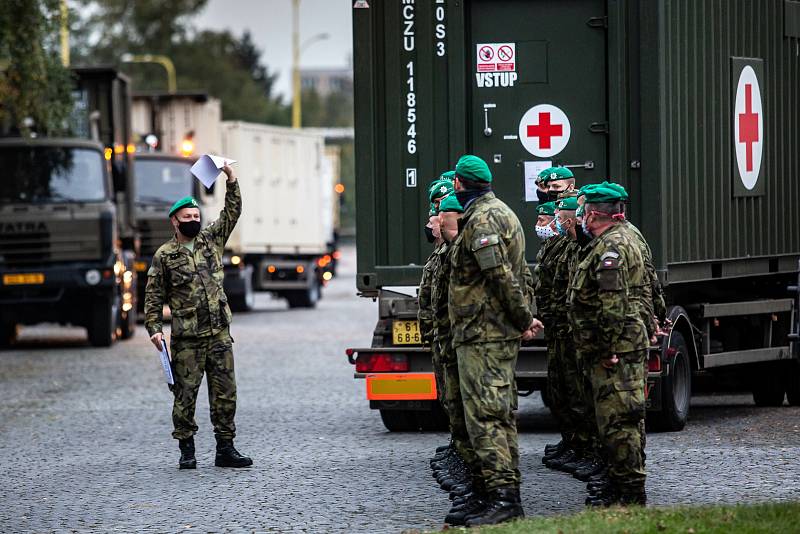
[{"x": 327, "y": 81}]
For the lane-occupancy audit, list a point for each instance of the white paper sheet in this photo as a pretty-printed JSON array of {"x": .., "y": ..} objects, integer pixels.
[
  {"x": 532, "y": 170},
  {"x": 207, "y": 168},
  {"x": 165, "y": 363}
]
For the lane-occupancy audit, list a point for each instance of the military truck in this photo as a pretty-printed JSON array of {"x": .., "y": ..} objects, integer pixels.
[
  {"x": 693, "y": 106},
  {"x": 67, "y": 224}
]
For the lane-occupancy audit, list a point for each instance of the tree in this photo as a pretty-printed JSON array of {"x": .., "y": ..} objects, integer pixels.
[{"x": 34, "y": 86}]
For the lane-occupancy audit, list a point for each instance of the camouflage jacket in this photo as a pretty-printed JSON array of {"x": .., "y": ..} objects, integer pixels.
[
  {"x": 561, "y": 278},
  {"x": 654, "y": 303},
  {"x": 488, "y": 290},
  {"x": 439, "y": 294},
  {"x": 425, "y": 313},
  {"x": 191, "y": 282},
  {"x": 604, "y": 296},
  {"x": 544, "y": 273}
]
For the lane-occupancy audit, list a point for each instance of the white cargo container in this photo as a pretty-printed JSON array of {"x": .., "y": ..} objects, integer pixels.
[{"x": 286, "y": 231}]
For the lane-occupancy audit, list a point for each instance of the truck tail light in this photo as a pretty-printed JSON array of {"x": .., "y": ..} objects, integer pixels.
[
  {"x": 654, "y": 363},
  {"x": 378, "y": 362}
]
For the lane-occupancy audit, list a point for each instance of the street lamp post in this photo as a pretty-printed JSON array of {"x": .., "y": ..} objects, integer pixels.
[
  {"x": 164, "y": 61},
  {"x": 297, "y": 50}
]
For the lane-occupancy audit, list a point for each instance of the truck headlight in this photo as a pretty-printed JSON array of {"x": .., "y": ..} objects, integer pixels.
[{"x": 93, "y": 277}]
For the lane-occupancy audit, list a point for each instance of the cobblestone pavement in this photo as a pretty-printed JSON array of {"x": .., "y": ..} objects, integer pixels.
[{"x": 85, "y": 439}]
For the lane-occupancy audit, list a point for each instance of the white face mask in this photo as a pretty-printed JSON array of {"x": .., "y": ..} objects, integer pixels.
[{"x": 545, "y": 232}]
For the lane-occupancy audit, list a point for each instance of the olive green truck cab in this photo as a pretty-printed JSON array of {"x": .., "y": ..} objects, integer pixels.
[
  {"x": 693, "y": 107},
  {"x": 67, "y": 226}
]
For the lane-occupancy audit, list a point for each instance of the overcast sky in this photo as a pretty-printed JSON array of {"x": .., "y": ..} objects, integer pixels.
[{"x": 270, "y": 23}]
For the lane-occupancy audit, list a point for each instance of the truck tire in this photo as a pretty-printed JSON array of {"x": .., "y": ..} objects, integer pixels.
[
  {"x": 102, "y": 325},
  {"x": 676, "y": 388},
  {"x": 304, "y": 298},
  {"x": 793, "y": 383},
  {"x": 127, "y": 324},
  {"x": 244, "y": 301},
  {"x": 769, "y": 387},
  {"x": 400, "y": 420}
]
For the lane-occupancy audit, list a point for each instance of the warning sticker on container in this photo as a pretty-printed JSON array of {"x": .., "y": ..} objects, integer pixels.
[{"x": 496, "y": 57}]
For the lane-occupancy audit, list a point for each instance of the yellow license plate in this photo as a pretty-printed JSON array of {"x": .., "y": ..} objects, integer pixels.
[
  {"x": 140, "y": 266},
  {"x": 406, "y": 333},
  {"x": 23, "y": 279}
]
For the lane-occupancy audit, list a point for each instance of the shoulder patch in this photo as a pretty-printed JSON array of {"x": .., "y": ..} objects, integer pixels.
[
  {"x": 485, "y": 241},
  {"x": 610, "y": 254},
  {"x": 609, "y": 263}
]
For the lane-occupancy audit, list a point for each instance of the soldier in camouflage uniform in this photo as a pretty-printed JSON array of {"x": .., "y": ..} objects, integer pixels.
[
  {"x": 489, "y": 313},
  {"x": 437, "y": 190},
  {"x": 187, "y": 274},
  {"x": 605, "y": 301},
  {"x": 450, "y": 211}
]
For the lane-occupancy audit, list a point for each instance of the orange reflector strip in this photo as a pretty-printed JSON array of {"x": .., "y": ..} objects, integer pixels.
[{"x": 401, "y": 386}]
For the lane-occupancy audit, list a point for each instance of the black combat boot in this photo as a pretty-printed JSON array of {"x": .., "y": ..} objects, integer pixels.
[
  {"x": 579, "y": 463},
  {"x": 601, "y": 495},
  {"x": 551, "y": 449},
  {"x": 457, "y": 516},
  {"x": 503, "y": 505},
  {"x": 227, "y": 456},
  {"x": 632, "y": 497},
  {"x": 555, "y": 453},
  {"x": 461, "y": 489},
  {"x": 441, "y": 454},
  {"x": 187, "y": 460},
  {"x": 558, "y": 462},
  {"x": 589, "y": 469}
]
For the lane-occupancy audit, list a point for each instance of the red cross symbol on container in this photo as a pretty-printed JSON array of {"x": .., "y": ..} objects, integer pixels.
[
  {"x": 544, "y": 130},
  {"x": 748, "y": 125}
]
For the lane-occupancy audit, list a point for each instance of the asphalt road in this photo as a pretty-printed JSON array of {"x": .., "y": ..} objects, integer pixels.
[{"x": 85, "y": 439}]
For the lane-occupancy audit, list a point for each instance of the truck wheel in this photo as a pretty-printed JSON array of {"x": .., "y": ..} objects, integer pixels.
[
  {"x": 304, "y": 298},
  {"x": 8, "y": 334},
  {"x": 793, "y": 384},
  {"x": 676, "y": 388},
  {"x": 244, "y": 301},
  {"x": 399, "y": 420},
  {"x": 769, "y": 387},
  {"x": 127, "y": 324},
  {"x": 102, "y": 327}
]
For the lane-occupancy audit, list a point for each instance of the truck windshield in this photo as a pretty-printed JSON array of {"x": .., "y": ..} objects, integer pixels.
[
  {"x": 162, "y": 181},
  {"x": 51, "y": 174}
]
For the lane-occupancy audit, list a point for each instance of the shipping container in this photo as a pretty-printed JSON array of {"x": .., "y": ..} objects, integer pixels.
[{"x": 694, "y": 106}]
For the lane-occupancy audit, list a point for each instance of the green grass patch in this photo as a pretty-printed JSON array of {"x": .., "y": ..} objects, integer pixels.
[{"x": 782, "y": 518}]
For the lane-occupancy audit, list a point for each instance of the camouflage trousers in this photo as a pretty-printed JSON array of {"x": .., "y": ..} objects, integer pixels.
[
  {"x": 191, "y": 358},
  {"x": 619, "y": 402},
  {"x": 454, "y": 407},
  {"x": 489, "y": 394},
  {"x": 438, "y": 371},
  {"x": 571, "y": 391}
]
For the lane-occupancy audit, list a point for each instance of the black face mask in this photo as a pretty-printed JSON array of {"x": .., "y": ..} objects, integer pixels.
[
  {"x": 542, "y": 196},
  {"x": 429, "y": 234},
  {"x": 465, "y": 197},
  {"x": 581, "y": 237},
  {"x": 553, "y": 195},
  {"x": 189, "y": 228}
]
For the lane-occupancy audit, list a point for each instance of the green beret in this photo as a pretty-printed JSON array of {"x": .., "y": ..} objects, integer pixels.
[
  {"x": 553, "y": 174},
  {"x": 548, "y": 208},
  {"x": 448, "y": 175},
  {"x": 185, "y": 202},
  {"x": 439, "y": 188},
  {"x": 473, "y": 168},
  {"x": 605, "y": 192},
  {"x": 568, "y": 204},
  {"x": 449, "y": 204}
]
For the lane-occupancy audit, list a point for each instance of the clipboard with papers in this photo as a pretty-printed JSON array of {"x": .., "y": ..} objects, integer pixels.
[{"x": 166, "y": 364}]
